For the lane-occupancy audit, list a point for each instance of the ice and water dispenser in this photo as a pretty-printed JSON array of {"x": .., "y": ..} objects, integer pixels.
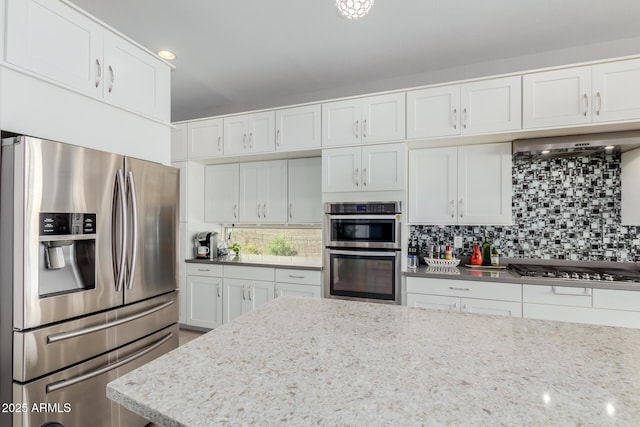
[{"x": 67, "y": 253}]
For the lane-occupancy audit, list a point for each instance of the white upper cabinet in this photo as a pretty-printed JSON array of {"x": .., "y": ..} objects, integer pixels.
[
  {"x": 61, "y": 44},
  {"x": 365, "y": 120},
  {"x": 461, "y": 185},
  {"x": 305, "y": 190},
  {"x": 298, "y": 128},
  {"x": 630, "y": 177},
  {"x": 485, "y": 184},
  {"x": 134, "y": 79},
  {"x": 222, "y": 193},
  {"x": 479, "y": 107},
  {"x": 205, "y": 139},
  {"x": 263, "y": 192},
  {"x": 55, "y": 41},
  {"x": 557, "y": 98},
  {"x": 367, "y": 168},
  {"x": 616, "y": 91},
  {"x": 591, "y": 94},
  {"x": 179, "y": 150},
  {"x": 249, "y": 133}
]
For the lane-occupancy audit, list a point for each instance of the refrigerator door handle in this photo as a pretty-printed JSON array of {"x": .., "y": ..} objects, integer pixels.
[
  {"x": 50, "y": 388},
  {"x": 119, "y": 201},
  {"x": 134, "y": 230}
]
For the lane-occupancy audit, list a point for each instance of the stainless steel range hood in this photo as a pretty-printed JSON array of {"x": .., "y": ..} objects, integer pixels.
[{"x": 578, "y": 145}]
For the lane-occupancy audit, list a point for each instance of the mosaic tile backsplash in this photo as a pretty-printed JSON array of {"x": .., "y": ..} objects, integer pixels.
[{"x": 563, "y": 208}]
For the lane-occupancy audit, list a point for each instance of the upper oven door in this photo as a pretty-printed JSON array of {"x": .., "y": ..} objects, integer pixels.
[{"x": 362, "y": 231}]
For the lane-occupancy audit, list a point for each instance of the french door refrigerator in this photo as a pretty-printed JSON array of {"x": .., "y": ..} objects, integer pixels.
[{"x": 88, "y": 279}]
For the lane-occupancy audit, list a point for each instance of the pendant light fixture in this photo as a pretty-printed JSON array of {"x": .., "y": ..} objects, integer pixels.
[{"x": 354, "y": 9}]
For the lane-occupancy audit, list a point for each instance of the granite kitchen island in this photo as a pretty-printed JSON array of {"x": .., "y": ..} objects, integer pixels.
[{"x": 304, "y": 361}]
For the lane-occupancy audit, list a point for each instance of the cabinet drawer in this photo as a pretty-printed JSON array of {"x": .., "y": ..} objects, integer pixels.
[
  {"x": 249, "y": 273},
  {"x": 433, "y": 302},
  {"x": 616, "y": 300},
  {"x": 465, "y": 288},
  {"x": 304, "y": 277},
  {"x": 496, "y": 308},
  {"x": 557, "y": 295},
  {"x": 198, "y": 269}
]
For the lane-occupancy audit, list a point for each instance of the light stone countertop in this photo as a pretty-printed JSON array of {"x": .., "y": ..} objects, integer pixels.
[{"x": 305, "y": 361}]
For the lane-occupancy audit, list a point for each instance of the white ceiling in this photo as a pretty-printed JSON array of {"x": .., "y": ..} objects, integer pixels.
[{"x": 239, "y": 55}]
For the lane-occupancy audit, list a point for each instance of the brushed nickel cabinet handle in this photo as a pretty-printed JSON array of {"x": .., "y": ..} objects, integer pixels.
[
  {"x": 220, "y": 143},
  {"x": 599, "y": 96},
  {"x": 586, "y": 104},
  {"x": 455, "y": 118},
  {"x": 356, "y": 128},
  {"x": 364, "y": 128},
  {"x": 98, "y": 72},
  {"x": 113, "y": 78},
  {"x": 357, "y": 176}
]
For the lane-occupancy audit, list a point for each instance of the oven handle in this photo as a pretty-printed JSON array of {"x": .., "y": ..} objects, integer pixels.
[
  {"x": 61, "y": 336},
  {"x": 50, "y": 388},
  {"x": 364, "y": 253},
  {"x": 358, "y": 217}
]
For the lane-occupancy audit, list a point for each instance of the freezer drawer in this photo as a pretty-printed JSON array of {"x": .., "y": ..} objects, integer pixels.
[
  {"x": 77, "y": 396},
  {"x": 41, "y": 351}
]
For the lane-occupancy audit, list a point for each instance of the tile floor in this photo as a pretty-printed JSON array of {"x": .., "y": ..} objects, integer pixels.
[{"x": 187, "y": 335}]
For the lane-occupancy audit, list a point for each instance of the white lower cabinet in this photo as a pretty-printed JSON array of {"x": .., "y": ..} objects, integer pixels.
[
  {"x": 465, "y": 296},
  {"x": 607, "y": 307},
  {"x": 246, "y": 288},
  {"x": 204, "y": 295},
  {"x": 306, "y": 283}
]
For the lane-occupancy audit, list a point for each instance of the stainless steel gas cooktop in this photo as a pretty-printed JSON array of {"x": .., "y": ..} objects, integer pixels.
[{"x": 575, "y": 273}]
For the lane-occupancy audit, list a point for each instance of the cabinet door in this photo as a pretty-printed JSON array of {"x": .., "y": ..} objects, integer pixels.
[
  {"x": 234, "y": 296},
  {"x": 433, "y": 112},
  {"x": 205, "y": 139},
  {"x": 298, "y": 128},
  {"x": 204, "y": 301},
  {"x": 484, "y": 184},
  {"x": 298, "y": 290},
  {"x": 57, "y": 42},
  {"x": 305, "y": 190},
  {"x": 221, "y": 193},
  {"x": 251, "y": 204},
  {"x": 182, "y": 272},
  {"x": 341, "y": 169},
  {"x": 491, "y": 105},
  {"x": 383, "y": 167},
  {"x": 179, "y": 143},
  {"x": 235, "y": 135},
  {"x": 273, "y": 191},
  {"x": 433, "y": 302},
  {"x": 630, "y": 191},
  {"x": 259, "y": 293},
  {"x": 556, "y": 98},
  {"x": 341, "y": 123},
  {"x": 433, "y": 186},
  {"x": 182, "y": 211},
  {"x": 261, "y": 128},
  {"x": 616, "y": 91},
  {"x": 383, "y": 118},
  {"x": 134, "y": 79},
  {"x": 497, "y": 308}
]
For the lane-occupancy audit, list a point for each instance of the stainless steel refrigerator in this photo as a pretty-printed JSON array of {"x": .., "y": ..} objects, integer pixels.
[{"x": 88, "y": 279}]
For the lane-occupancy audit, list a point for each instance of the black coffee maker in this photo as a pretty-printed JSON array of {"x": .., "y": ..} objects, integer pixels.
[{"x": 206, "y": 244}]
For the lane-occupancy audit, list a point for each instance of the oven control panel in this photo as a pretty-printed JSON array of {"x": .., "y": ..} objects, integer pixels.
[{"x": 369, "y": 208}]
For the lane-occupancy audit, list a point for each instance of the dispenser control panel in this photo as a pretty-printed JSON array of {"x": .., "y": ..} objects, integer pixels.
[{"x": 60, "y": 224}]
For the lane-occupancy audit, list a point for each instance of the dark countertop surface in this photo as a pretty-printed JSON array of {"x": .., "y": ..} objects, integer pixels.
[
  {"x": 297, "y": 263},
  {"x": 489, "y": 274}
]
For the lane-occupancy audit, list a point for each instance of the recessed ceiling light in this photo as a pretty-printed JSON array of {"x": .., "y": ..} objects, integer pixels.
[
  {"x": 609, "y": 147},
  {"x": 166, "y": 54},
  {"x": 545, "y": 151}
]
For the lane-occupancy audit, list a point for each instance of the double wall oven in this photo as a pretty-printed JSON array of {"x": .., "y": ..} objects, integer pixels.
[{"x": 362, "y": 251}]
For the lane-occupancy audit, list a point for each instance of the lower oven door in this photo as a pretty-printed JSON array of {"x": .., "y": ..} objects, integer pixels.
[
  {"x": 77, "y": 396},
  {"x": 371, "y": 275}
]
